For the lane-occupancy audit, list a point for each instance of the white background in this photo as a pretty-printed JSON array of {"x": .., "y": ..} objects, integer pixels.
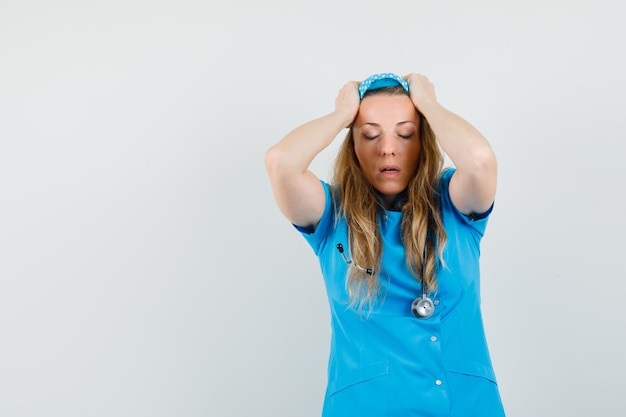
[{"x": 144, "y": 267}]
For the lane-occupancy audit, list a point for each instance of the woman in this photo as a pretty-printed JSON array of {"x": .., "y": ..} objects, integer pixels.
[{"x": 398, "y": 240}]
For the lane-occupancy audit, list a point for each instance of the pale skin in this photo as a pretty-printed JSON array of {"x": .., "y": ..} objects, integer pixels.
[{"x": 387, "y": 147}]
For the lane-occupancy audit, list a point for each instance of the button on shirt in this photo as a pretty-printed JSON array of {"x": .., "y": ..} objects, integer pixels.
[{"x": 387, "y": 362}]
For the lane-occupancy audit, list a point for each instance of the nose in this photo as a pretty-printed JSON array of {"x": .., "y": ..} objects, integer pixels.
[{"x": 388, "y": 144}]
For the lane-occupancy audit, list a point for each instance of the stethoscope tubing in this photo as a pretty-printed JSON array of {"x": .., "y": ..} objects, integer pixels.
[{"x": 422, "y": 307}]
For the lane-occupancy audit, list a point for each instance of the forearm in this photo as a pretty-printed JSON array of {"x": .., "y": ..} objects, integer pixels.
[
  {"x": 463, "y": 143},
  {"x": 295, "y": 152},
  {"x": 473, "y": 186}
]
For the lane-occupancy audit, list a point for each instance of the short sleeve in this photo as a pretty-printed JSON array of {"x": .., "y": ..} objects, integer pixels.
[
  {"x": 478, "y": 222},
  {"x": 316, "y": 236}
]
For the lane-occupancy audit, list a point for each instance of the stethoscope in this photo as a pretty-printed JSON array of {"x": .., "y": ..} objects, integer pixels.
[{"x": 422, "y": 307}]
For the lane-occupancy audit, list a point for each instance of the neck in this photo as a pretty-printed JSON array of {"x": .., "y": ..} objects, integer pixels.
[{"x": 392, "y": 201}]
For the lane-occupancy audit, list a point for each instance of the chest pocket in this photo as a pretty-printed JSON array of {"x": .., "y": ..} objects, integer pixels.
[{"x": 363, "y": 392}]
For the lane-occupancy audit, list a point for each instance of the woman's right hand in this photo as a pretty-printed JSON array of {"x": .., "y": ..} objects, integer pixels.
[{"x": 348, "y": 101}]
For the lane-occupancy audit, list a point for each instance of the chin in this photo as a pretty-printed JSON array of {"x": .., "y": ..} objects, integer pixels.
[{"x": 390, "y": 191}]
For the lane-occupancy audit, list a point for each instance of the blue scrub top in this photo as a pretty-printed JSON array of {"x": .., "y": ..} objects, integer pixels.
[{"x": 387, "y": 362}]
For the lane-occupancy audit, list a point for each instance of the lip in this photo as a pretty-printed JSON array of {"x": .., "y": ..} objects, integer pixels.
[{"x": 389, "y": 171}]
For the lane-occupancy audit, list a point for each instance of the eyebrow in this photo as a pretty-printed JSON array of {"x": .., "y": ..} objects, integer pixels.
[{"x": 397, "y": 124}]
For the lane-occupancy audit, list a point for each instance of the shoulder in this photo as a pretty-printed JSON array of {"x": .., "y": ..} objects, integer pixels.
[
  {"x": 317, "y": 235},
  {"x": 329, "y": 196},
  {"x": 443, "y": 186}
]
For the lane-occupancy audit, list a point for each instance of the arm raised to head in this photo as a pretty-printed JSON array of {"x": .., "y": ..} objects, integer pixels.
[
  {"x": 298, "y": 192},
  {"x": 473, "y": 186}
]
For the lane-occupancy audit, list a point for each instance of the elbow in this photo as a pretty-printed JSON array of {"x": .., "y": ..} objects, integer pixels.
[
  {"x": 273, "y": 159},
  {"x": 270, "y": 158},
  {"x": 279, "y": 163},
  {"x": 485, "y": 178},
  {"x": 484, "y": 162}
]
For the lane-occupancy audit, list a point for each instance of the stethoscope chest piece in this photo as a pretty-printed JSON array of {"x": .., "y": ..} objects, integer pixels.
[{"x": 423, "y": 307}]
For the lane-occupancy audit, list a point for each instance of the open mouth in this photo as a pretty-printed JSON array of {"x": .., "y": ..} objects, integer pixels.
[{"x": 389, "y": 169}]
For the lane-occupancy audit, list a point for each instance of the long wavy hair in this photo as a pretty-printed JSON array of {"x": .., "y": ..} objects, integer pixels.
[{"x": 423, "y": 234}]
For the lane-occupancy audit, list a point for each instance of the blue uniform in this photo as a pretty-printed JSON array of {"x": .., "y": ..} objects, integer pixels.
[{"x": 387, "y": 362}]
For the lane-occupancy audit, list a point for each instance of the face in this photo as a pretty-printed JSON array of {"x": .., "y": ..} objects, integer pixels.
[{"x": 387, "y": 143}]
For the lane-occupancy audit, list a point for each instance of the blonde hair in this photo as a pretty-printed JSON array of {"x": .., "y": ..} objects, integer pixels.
[{"x": 423, "y": 234}]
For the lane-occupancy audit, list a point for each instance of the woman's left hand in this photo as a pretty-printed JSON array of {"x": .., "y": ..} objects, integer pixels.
[{"x": 421, "y": 91}]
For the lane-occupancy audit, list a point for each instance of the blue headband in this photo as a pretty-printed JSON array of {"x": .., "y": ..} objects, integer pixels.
[{"x": 376, "y": 81}]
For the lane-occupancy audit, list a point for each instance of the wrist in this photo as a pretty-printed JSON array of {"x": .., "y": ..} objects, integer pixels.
[
  {"x": 344, "y": 116},
  {"x": 429, "y": 108}
]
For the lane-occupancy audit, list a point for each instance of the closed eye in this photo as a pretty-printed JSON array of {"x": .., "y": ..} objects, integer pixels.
[{"x": 370, "y": 137}]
